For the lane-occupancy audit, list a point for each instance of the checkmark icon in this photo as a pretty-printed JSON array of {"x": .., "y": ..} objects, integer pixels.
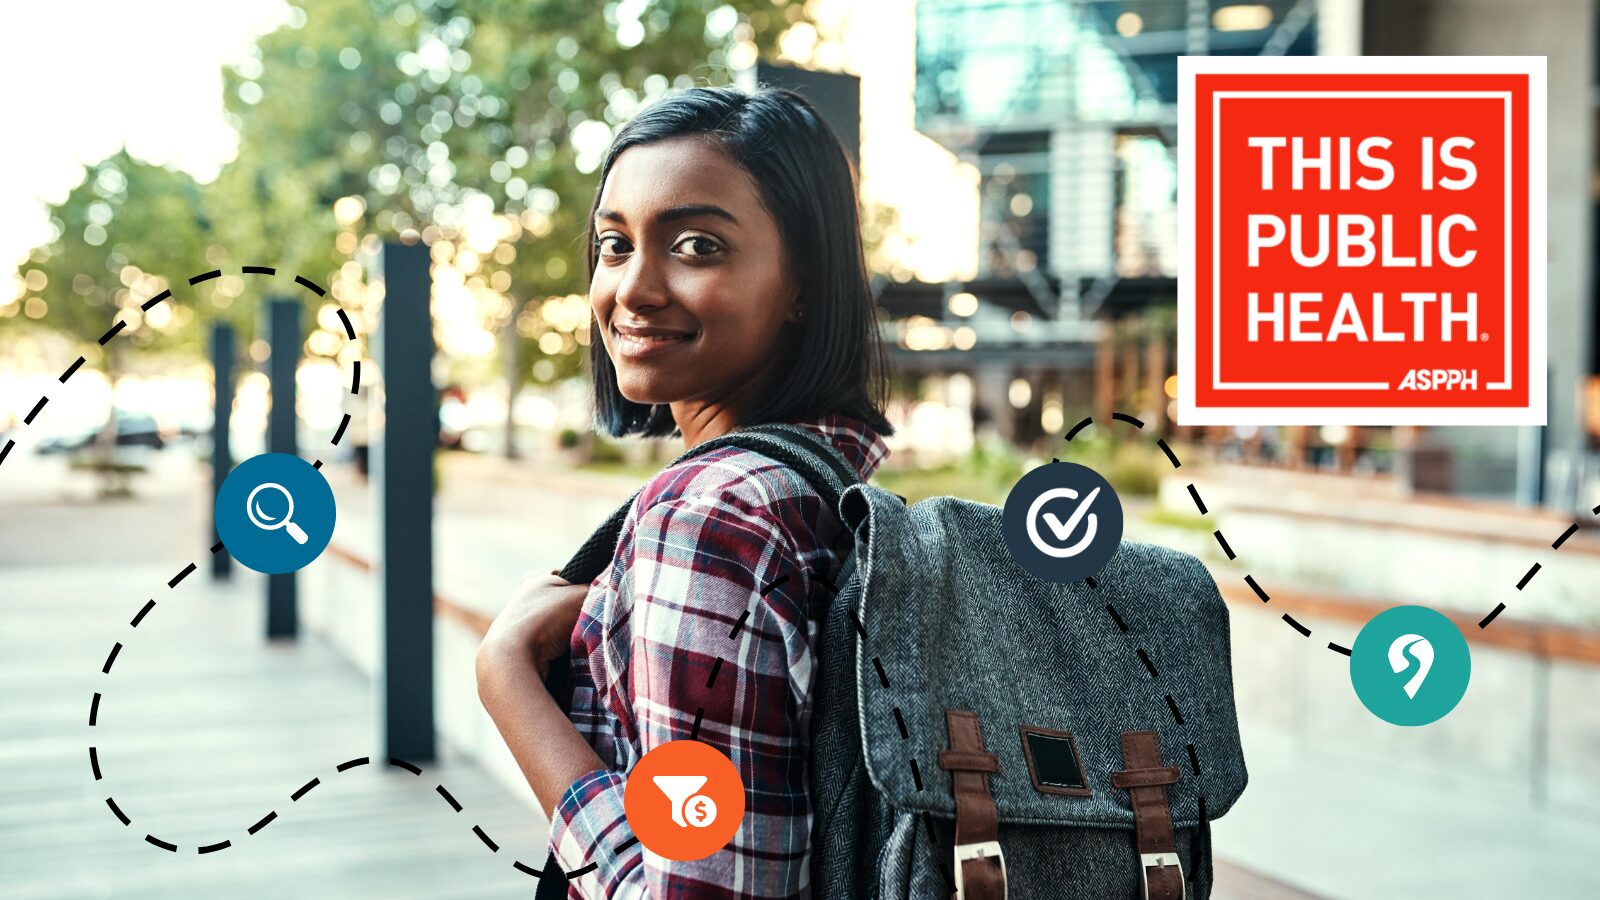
[{"x": 1063, "y": 530}]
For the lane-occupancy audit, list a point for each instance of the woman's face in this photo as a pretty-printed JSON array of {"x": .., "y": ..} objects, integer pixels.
[{"x": 690, "y": 288}]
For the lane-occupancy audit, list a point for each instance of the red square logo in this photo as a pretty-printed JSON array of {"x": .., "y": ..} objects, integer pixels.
[{"x": 1362, "y": 241}]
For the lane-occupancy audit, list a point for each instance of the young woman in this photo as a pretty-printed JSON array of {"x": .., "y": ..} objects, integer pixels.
[{"x": 728, "y": 289}]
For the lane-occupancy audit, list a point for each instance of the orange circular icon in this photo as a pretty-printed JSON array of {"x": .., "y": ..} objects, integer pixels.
[{"x": 684, "y": 800}]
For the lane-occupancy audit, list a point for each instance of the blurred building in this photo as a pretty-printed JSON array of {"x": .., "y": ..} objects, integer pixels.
[
  {"x": 1068, "y": 109},
  {"x": 1069, "y": 112}
]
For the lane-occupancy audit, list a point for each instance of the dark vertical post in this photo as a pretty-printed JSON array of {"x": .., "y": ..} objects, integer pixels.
[
  {"x": 283, "y": 335},
  {"x": 222, "y": 355},
  {"x": 403, "y": 473}
]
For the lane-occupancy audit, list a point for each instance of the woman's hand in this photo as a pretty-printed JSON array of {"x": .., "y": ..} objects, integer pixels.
[{"x": 536, "y": 626}]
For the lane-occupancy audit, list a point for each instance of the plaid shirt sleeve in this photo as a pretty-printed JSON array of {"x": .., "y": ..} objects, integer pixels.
[{"x": 695, "y": 565}]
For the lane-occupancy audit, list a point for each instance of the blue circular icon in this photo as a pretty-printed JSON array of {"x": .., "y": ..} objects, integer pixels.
[
  {"x": 1410, "y": 665},
  {"x": 1062, "y": 522},
  {"x": 275, "y": 513}
]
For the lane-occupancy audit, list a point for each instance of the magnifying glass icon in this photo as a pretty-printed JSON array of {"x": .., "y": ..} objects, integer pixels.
[{"x": 252, "y": 511}]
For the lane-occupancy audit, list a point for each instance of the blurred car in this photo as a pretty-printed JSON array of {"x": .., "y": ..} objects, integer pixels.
[{"x": 134, "y": 429}]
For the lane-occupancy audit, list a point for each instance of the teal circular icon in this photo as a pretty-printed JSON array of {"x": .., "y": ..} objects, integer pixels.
[
  {"x": 1410, "y": 665},
  {"x": 275, "y": 513}
]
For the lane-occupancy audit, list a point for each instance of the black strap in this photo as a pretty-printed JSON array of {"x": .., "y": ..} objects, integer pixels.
[{"x": 822, "y": 466}]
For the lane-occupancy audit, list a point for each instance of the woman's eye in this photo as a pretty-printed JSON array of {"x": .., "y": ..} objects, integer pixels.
[
  {"x": 611, "y": 250},
  {"x": 702, "y": 246}
]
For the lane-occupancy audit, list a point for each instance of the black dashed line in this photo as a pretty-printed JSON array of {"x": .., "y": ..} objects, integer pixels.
[
  {"x": 739, "y": 624},
  {"x": 355, "y": 377},
  {"x": 626, "y": 844},
  {"x": 28, "y": 419},
  {"x": 1084, "y": 423},
  {"x": 220, "y": 845},
  {"x": 1200, "y": 504},
  {"x": 1251, "y": 580},
  {"x": 776, "y": 583},
  {"x": 94, "y": 762},
  {"x": 317, "y": 464},
  {"x": 1148, "y": 665},
  {"x": 70, "y": 370},
  {"x": 205, "y": 276},
  {"x": 260, "y": 270},
  {"x": 853, "y": 621},
  {"x": 1124, "y": 417},
  {"x": 1194, "y": 759},
  {"x": 148, "y": 605},
  {"x": 699, "y": 713},
  {"x": 1091, "y": 582},
  {"x": 118, "y": 811},
  {"x": 399, "y": 763},
  {"x": 151, "y": 303},
  {"x": 916, "y": 773},
  {"x": 1171, "y": 457},
  {"x": 6, "y": 451},
  {"x": 181, "y": 575},
  {"x": 111, "y": 658},
  {"x": 715, "y": 668},
  {"x": 447, "y": 798},
  {"x": 526, "y": 869},
  {"x": 882, "y": 675},
  {"x": 349, "y": 330},
  {"x": 304, "y": 282},
  {"x": 582, "y": 870},
  {"x": 304, "y": 789},
  {"x": 1194, "y": 848},
  {"x": 487, "y": 841},
  {"x": 169, "y": 847},
  {"x": 1571, "y": 530},
  {"x": 1304, "y": 631},
  {"x": 216, "y": 548},
  {"x": 1498, "y": 609},
  {"x": 339, "y": 433},
  {"x": 351, "y": 764},
  {"x": 94, "y": 709},
  {"x": 1338, "y": 648},
  {"x": 112, "y": 332},
  {"x": 1528, "y": 577},
  {"x": 1596, "y": 510},
  {"x": 265, "y": 821},
  {"x": 900, "y": 722},
  {"x": 1172, "y": 706},
  {"x": 1121, "y": 625},
  {"x": 1224, "y": 542}
]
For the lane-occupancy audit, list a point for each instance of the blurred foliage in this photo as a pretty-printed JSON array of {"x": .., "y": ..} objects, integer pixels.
[{"x": 420, "y": 115}]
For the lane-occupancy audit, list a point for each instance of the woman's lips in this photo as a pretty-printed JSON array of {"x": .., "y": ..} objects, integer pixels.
[{"x": 640, "y": 341}]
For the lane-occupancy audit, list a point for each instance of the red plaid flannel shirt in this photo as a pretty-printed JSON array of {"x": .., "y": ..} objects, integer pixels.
[{"x": 702, "y": 540}]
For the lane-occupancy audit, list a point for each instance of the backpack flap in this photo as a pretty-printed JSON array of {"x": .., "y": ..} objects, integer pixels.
[{"x": 950, "y": 622}]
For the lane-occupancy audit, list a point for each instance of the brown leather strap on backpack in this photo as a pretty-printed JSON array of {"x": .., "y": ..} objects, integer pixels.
[
  {"x": 1146, "y": 780},
  {"x": 980, "y": 867}
]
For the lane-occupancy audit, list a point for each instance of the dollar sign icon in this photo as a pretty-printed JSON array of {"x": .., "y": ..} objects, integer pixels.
[{"x": 700, "y": 811}]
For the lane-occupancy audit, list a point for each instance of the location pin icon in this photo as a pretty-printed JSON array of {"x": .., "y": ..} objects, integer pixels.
[{"x": 1421, "y": 650}]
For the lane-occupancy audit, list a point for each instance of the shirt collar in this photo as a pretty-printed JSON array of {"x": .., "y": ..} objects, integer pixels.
[{"x": 853, "y": 438}]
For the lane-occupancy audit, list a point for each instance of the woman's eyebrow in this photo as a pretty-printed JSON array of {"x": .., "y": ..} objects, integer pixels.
[{"x": 672, "y": 213}]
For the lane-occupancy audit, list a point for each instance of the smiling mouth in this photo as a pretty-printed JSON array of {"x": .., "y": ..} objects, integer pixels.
[{"x": 645, "y": 341}]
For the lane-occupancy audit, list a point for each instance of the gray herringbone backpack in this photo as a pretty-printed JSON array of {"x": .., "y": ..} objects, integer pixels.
[{"x": 980, "y": 732}]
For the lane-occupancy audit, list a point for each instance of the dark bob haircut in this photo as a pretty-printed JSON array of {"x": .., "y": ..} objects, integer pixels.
[{"x": 808, "y": 185}]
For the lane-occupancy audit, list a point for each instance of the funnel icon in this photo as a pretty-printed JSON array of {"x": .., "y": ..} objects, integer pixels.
[{"x": 680, "y": 793}]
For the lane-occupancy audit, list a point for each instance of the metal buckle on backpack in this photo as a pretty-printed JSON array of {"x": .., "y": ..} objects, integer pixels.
[
  {"x": 981, "y": 850},
  {"x": 1159, "y": 860}
]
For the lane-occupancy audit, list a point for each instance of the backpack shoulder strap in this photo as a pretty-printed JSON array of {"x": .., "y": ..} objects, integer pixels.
[{"x": 822, "y": 466}]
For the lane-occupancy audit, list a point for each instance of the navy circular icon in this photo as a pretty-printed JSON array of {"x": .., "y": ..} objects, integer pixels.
[
  {"x": 1062, "y": 522},
  {"x": 275, "y": 513}
]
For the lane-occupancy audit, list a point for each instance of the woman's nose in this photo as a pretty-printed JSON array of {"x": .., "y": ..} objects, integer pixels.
[{"x": 641, "y": 287}]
